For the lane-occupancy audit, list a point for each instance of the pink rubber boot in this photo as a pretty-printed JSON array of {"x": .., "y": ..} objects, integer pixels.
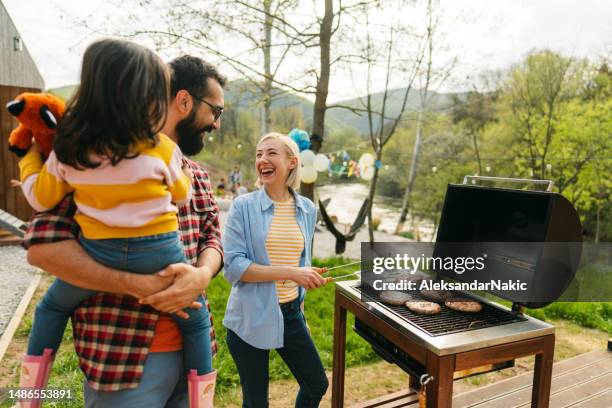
[
  {"x": 35, "y": 372},
  {"x": 201, "y": 389}
]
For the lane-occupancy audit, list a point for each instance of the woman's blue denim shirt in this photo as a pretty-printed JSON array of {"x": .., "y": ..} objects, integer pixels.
[{"x": 253, "y": 312}]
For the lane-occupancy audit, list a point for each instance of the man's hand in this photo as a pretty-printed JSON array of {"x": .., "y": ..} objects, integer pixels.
[
  {"x": 146, "y": 285},
  {"x": 189, "y": 283},
  {"x": 68, "y": 261},
  {"x": 188, "y": 172}
]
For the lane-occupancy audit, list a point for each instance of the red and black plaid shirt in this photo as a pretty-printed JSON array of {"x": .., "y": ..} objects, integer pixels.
[{"x": 113, "y": 333}]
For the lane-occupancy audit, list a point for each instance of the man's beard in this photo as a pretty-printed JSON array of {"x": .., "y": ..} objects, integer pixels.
[{"x": 190, "y": 136}]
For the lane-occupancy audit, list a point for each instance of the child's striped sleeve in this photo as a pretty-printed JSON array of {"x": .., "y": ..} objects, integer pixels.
[{"x": 42, "y": 184}]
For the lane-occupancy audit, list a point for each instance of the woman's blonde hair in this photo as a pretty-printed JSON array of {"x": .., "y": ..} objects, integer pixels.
[{"x": 292, "y": 150}]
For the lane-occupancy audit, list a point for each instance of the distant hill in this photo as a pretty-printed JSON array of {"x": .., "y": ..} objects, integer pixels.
[
  {"x": 245, "y": 96},
  {"x": 437, "y": 102},
  {"x": 64, "y": 92}
]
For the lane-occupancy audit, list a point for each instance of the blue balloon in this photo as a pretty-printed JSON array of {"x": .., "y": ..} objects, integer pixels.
[
  {"x": 378, "y": 164},
  {"x": 301, "y": 138}
]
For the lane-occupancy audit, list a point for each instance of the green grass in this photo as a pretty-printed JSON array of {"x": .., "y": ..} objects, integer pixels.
[
  {"x": 596, "y": 315},
  {"x": 406, "y": 234}
]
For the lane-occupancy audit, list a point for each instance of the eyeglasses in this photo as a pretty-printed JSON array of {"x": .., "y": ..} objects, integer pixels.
[{"x": 216, "y": 110}]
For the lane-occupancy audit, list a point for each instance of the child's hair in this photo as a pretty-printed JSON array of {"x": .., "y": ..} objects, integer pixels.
[
  {"x": 292, "y": 150},
  {"x": 122, "y": 100}
]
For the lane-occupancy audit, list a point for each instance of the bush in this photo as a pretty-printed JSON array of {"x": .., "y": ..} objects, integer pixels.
[{"x": 595, "y": 315}]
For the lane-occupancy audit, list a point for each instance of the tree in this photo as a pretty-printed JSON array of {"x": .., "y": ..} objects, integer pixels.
[
  {"x": 328, "y": 26},
  {"x": 399, "y": 38},
  {"x": 254, "y": 38},
  {"x": 428, "y": 76},
  {"x": 580, "y": 158},
  {"x": 445, "y": 158},
  {"x": 322, "y": 87},
  {"x": 555, "y": 123},
  {"x": 286, "y": 118},
  {"x": 533, "y": 97},
  {"x": 473, "y": 114}
]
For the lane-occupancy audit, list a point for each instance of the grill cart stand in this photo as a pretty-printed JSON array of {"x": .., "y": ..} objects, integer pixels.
[{"x": 441, "y": 367}]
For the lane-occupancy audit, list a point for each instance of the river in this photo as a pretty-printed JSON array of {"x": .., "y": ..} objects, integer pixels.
[{"x": 346, "y": 200}]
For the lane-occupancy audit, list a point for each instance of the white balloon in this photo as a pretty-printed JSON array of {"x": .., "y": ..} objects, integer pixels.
[
  {"x": 366, "y": 160},
  {"x": 307, "y": 157},
  {"x": 367, "y": 173},
  {"x": 309, "y": 174},
  {"x": 321, "y": 162}
]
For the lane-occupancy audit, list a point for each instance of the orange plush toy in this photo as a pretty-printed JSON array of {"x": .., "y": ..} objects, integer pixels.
[{"x": 38, "y": 115}]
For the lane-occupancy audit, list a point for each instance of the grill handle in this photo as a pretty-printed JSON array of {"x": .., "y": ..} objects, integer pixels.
[{"x": 549, "y": 188}]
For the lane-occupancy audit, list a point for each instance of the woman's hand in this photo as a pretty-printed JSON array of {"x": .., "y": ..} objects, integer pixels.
[{"x": 309, "y": 277}]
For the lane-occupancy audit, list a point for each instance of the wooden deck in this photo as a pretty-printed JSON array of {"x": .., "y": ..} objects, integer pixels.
[{"x": 584, "y": 381}]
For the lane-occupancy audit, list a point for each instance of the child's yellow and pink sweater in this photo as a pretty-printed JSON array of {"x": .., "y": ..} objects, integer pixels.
[{"x": 134, "y": 198}]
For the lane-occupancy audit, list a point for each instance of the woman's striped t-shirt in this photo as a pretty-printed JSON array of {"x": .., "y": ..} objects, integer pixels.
[{"x": 285, "y": 244}]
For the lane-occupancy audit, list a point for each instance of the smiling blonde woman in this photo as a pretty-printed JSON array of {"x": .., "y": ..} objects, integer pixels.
[{"x": 268, "y": 251}]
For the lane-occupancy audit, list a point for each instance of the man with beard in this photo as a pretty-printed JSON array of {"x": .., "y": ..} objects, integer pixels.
[
  {"x": 131, "y": 354},
  {"x": 197, "y": 103}
]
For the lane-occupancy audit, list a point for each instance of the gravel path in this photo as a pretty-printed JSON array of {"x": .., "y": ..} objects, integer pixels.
[{"x": 15, "y": 277}]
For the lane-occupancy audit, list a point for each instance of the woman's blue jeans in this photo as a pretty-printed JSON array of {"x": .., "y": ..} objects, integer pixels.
[
  {"x": 298, "y": 352},
  {"x": 142, "y": 255}
]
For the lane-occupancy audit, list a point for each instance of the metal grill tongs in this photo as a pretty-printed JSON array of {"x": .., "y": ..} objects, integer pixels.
[{"x": 336, "y": 278}]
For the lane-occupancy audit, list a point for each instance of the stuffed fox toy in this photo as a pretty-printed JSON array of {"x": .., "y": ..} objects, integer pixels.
[{"x": 38, "y": 115}]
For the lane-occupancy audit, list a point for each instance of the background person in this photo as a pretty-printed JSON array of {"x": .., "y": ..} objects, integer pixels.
[
  {"x": 240, "y": 189},
  {"x": 221, "y": 188},
  {"x": 235, "y": 178}
]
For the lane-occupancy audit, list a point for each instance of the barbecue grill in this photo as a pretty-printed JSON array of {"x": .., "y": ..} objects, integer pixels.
[{"x": 513, "y": 227}]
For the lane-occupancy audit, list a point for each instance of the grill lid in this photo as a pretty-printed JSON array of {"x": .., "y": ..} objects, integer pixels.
[{"x": 528, "y": 236}]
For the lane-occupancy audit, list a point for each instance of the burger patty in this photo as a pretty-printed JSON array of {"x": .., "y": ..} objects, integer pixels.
[
  {"x": 435, "y": 295},
  {"x": 426, "y": 308},
  {"x": 393, "y": 297},
  {"x": 415, "y": 279},
  {"x": 463, "y": 305}
]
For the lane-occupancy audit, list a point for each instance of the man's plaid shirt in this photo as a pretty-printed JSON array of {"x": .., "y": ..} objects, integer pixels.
[{"x": 113, "y": 333}]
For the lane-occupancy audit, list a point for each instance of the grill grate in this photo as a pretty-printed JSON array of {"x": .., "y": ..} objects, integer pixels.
[{"x": 448, "y": 320}]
